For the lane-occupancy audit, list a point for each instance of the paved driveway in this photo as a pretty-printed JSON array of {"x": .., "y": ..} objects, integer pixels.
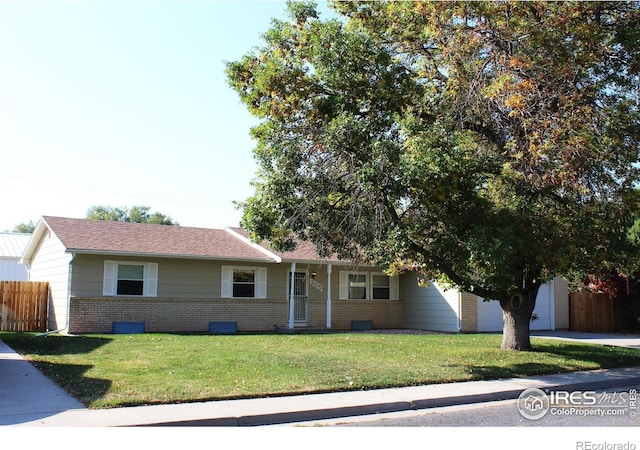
[{"x": 620, "y": 340}]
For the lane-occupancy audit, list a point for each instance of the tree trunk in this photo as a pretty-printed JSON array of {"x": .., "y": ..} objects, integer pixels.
[{"x": 516, "y": 313}]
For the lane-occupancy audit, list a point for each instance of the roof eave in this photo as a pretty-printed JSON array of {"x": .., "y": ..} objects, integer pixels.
[
  {"x": 254, "y": 245},
  {"x": 318, "y": 262},
  {"x": 32, "y": 245},
  {"x": 80, "y": 251}
]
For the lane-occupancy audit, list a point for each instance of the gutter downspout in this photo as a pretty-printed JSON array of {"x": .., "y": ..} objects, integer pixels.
[
  {"x": 329, "y": 296},
  {"x": 552, "y": 304},
  {"x": 68, "y": 318},
  {"x": 458, "y": 323}
]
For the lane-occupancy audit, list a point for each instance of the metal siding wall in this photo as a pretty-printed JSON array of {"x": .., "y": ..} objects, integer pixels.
[
  {"x": 11, "y": 270},
  {"x": 428, "y": 308}
]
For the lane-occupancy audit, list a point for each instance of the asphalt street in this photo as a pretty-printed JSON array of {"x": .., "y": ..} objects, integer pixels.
[{"x": 501, "y": 414}]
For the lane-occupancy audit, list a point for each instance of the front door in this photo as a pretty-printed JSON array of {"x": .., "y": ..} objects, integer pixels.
[{"x": 300, "y": 300}]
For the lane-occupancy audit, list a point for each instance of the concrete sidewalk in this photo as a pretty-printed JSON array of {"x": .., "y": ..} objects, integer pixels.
[
  {"x": 26, "y": 395},
  {"x": 28, "y": 398}
]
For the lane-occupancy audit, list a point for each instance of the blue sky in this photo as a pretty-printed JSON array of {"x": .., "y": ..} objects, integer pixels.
[{"x": 125, "y": 103}]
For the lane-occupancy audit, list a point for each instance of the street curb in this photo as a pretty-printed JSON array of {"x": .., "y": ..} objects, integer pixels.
[{"x": 278, "y": 418}]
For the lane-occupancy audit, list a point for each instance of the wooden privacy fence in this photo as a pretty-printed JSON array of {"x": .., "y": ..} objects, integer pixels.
[
  {"x": 23, "y": 305},
  {"x": 590, "y": 312}
]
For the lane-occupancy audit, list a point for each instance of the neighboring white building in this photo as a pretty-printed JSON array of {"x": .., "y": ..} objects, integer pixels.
[{"x": 12, "y": 245}]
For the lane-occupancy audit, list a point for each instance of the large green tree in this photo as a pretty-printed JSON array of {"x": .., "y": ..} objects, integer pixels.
[
  {"x": 135, "y": 214},
  {"x": 488, "y": 145}
]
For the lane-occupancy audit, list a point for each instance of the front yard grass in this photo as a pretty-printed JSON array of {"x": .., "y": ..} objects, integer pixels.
[{"x": 105, "y": 371}]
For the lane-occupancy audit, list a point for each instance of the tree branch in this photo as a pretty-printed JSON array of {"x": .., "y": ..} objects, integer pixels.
[
  {"x": 493, "y": 137},
  {"x": 447, "y": 270}
]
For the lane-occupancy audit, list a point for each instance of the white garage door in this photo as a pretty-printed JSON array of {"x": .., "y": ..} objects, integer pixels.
[{"x": 490, "y": 313}]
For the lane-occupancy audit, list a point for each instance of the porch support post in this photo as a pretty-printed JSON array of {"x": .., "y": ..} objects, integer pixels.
[
  {"x": 291, "y": 296},
  {"x": 328, "y": 295}
]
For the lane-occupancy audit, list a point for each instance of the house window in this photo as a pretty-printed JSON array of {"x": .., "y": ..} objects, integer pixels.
[
  {"x": 244, "y": 283},
  {"x": 357, "y": 286},
  {"x": 130, "y": 279},
  {"x": 368, "y": 286},
  {"x": 380, "y": 287}
]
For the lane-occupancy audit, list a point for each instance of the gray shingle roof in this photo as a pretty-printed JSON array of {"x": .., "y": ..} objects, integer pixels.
[
  {"x": 304, "y": 251},
  {"x": 98, "y": 236}
]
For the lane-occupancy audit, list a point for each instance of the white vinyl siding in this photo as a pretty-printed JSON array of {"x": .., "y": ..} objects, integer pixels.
[
  {"x": 51, "y": 263},
  {"x": 240, "y": 281},
  {"x": 119, "y": 275}
]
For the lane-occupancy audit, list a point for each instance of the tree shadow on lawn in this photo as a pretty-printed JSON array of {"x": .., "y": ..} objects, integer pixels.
[
  {"x": 569, "y": 358},
  {"x": 71, "y": 378},
  {"x": 605, "y": 356},
  {"x": 27, "y": 343}
]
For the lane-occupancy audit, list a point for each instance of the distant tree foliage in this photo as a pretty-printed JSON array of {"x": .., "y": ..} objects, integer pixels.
[
  {"x": 135, "y": 214},
  {"x": 25, "y": 227}
]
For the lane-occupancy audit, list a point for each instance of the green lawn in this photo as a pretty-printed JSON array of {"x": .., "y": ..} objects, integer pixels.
[{"x": 104, "y": 371}]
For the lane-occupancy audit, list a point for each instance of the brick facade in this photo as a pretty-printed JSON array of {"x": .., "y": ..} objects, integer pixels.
[
  {"x": 468, "y": 312},
  {"x": 561, "y": 295},
  {"x": 96, "y": 314},
  {"x": 385, "y": 314}
]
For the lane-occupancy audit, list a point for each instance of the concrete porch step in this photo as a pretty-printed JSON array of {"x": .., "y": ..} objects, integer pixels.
[{"x": 305, "y": 330}]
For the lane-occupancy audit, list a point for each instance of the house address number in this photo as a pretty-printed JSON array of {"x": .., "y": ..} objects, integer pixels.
[{"x": 315, "y": 285}]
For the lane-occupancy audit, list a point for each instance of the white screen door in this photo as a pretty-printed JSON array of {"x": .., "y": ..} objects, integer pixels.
[{"x": 300, "y": 300}]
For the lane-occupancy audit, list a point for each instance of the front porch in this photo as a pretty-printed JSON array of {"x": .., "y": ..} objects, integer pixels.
[
  {"x": 300, "y": 282},
  {"x": 315, "y": 304},
  {"x": 356, "y": 325}
]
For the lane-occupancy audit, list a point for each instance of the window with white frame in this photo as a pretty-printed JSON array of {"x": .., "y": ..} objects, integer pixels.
[
  {"x": 368, "y": 286},
  {"x": 130, "y": 278},
  {"x": 244, "y": 282},
  {"x": 357, "y": 286},
  {"x": 380, "y": 286},
  {"x": 354, "y": 285}
]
